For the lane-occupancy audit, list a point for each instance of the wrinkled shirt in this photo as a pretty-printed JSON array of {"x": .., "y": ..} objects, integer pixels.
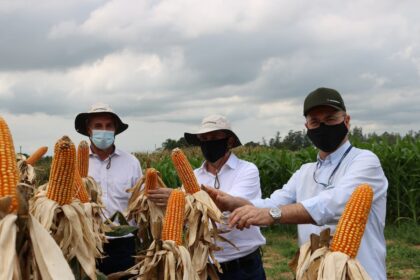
[
  {"x": 326, "y": 204},
  {"x": 238, "y": 178},
  {"x": 115, "y": 175}
]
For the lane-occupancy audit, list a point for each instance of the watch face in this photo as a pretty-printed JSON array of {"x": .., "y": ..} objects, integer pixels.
[{"x": 275, "y": 213}]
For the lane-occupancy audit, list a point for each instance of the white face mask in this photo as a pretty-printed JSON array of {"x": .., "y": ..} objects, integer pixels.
[{"x": 103, "y": 139}]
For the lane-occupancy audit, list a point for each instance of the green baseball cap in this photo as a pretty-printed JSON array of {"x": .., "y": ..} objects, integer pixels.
[{"x": 323, "y": 96}]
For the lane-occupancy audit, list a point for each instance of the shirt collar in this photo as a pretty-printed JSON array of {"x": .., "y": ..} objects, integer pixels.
[
  {"x": 232, "y": 163},
  {"x": 117, "y": 152},
  {"x": 334, "y": 157}
]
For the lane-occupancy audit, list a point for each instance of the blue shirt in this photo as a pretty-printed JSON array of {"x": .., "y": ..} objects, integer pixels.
[{"x": 326, "y": 204}]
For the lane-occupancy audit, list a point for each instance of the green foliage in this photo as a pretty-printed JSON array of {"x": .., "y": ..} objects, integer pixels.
[
  {"x": 399, "y": 157},
  {"x": 403, "y": 251}
]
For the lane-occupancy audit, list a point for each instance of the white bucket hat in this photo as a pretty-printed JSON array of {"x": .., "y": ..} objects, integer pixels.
[
  {"x": 209, "y": 124},
  {"x": 97, "y": 108}
]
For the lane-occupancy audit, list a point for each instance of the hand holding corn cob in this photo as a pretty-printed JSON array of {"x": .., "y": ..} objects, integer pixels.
[{"x": 147, "y": 215}]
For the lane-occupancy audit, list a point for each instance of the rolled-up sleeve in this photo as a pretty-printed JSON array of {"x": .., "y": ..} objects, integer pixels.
[{"x": 328, "y": 205}]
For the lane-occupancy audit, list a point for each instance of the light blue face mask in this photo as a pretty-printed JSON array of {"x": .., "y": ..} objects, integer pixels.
[{"x": 102, "y": 139}]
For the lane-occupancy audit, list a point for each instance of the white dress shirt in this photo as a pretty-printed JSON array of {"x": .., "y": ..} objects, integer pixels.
[
  {"x": 326, "y": 204},
  {"x": 238, "y": 178},
  {"x": 116, "y": 174}
]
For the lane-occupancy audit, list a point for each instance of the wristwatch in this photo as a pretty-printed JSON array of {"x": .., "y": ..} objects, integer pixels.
[{"x": 275, "y": 213}]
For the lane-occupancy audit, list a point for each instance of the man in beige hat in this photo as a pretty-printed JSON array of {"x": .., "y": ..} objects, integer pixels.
[
  {"x": 115, "y": 171},
  {"x": 223, "y": 170}
]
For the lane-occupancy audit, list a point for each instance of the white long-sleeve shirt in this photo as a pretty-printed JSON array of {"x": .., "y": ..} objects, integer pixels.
[
  {"x": 326, "y": 204},
  {"x": 117, "y": 173},
  {"x": 238, "y": 178}
]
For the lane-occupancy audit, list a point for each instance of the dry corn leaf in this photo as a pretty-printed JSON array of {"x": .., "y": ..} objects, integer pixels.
[
  {"x": 49, "y": 258},
  {"x": 9, "y": 265},
  {"x": 146, "y": 214},
  {"x": 71, "y": 229},
  {"x": 26, "y": 172},
  {"x": 337, "y": 265},
  {"x": 93, "y": 187},
  {"x": 168, "y": 258},
  {"x": 202, "y": 233}
]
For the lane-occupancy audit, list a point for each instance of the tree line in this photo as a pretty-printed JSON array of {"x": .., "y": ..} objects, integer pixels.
[{"x": 296, "y": 140}]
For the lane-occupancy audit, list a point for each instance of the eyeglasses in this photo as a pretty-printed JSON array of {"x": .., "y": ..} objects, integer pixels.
[
  {"x": 216, "y": 184},
  {"x": 328, "y": 184},
  {"x": 329, "y": 120}
]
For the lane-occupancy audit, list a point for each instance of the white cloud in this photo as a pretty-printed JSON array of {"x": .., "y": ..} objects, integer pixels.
[{"x": 164, "y": 65}]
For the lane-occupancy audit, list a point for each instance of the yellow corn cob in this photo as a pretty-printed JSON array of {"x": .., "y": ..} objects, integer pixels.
[
  {"x": 60, "y": 184},
  {"x": 80, "y": 189},
  {"x": 352, "y": 223},
  {"x": 83, "y": 158},
  {"x": 185, "y": 171},
  {"x": 9, "y": 174},
  {"x": 174, "y": 217},
  {"x": 37, "y": 155},
  {"x": 151, "y": 182}
]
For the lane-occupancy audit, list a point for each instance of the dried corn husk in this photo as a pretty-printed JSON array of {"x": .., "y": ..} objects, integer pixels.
[
  {"x": 145, "y": 213},
  {"x": 70, "y": 227},
  {"x": 9, "y": 263},
  {"x": 310, "y": 256},
  {"x": 323, "y": 264},
  {"x": 93, "y": 189},
  {"x": 337, "y": 265},
  {"x": 40, "y": 258},
  {"x": 318, "y": 261},
  {"x": 202, "y": 232},
  {"x": 94, "y": 215},
  {"x": 93, "y": 210},
  {"x": 51, "y": 263},
  {"x": 26, "y": 172},
  {"x": 165, "y": 260}
]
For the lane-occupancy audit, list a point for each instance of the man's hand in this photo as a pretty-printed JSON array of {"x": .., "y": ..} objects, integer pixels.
[
  {"x": 249, "y": 215},
  {"x": 160, "y": 196},
  {"x": 225, "y": 201}
]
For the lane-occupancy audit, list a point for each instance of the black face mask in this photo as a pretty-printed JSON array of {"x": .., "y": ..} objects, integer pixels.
[
  {"x": 214, "y": 150},
  {"x": 328, "y": 137}
]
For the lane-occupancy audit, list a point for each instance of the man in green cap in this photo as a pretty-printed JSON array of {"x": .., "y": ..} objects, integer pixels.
[{"x": 315, "y": 195}]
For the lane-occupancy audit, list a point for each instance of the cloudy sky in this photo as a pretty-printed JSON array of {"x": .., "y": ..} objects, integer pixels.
[{"x": 164, "y": 65}]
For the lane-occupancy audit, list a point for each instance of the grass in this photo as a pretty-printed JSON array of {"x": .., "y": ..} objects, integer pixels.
[{"x": 403, "y": 251}]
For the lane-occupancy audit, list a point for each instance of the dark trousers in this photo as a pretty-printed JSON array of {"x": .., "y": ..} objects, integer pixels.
[
  {"x": 118, "y": 254},
  {"x": 249, "y": 267}
]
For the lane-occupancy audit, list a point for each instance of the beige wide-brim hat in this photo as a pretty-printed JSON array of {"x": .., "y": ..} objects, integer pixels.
[
  {"x": 99, "y": 108},
  {"x": 209, "y": 124}
]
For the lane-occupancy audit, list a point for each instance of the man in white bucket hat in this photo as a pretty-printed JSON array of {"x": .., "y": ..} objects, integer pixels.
[
  {"x": 115, "y": 171},
  {"x": 223, "y": 170}
]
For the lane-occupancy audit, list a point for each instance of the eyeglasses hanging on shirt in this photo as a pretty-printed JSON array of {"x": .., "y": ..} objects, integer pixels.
[
  {"x": 216, "y": 184},
  {"x": 108, "y": 166},
  {"x": 328, "y": 184}
]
